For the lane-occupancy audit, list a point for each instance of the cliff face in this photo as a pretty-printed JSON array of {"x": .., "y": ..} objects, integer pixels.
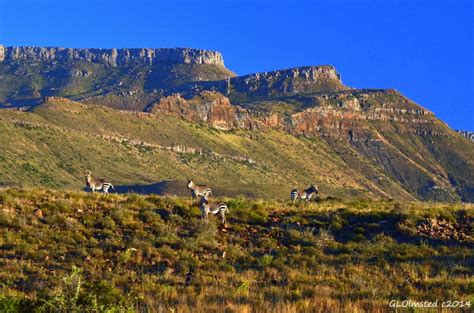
[
  {"x": 119, "y": 78},
  {"x": 340, "y": 115},
  {"x": 467, "y": 134},
  {"x": 290, "y": 81},
  {"x": 112, "y": 57},
  {"x": 209, "y": 107},
  {"x": 272, "y": 85}
]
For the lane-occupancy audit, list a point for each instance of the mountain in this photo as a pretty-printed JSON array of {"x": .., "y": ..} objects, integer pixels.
[
  {"x": 188, "y": 116},
  {"x": 122, "y": 78},
  {"x": 467, "y": 134}
]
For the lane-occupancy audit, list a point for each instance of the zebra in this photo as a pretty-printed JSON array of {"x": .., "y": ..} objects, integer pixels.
[
  {"x": 98, "y": 184},
  {"x": 306, "y": 194},
  {"x": 213, "y": 208},
  {"x": 199, "y": 190}
]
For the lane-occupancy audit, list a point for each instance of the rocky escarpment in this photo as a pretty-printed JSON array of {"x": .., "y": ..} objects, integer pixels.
[
  {"x": 340, "y": 115},
  {"x": 274, "y": 84},
  {"x": 467, "y": 134},
  {"x": 209, "y": 107},
  {"x": 112, "y": 57}
]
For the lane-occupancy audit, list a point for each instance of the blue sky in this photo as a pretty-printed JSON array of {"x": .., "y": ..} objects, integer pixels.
[{"x": 422, "y": 48}]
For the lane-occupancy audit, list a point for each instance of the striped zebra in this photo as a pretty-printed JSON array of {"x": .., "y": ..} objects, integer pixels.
[
  {"x": 199, "y": 190},
  {"x": 306, "y": 195},
  {"x": 213, "y": 208},
  {"x": 98, "y": 184}
]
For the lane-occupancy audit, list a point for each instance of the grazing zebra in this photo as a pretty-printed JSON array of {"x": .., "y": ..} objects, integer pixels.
[
  {"x": 306, "y": 194},
  {"x": 213, "y": 208},
  {"x": 199, "y": 190},
  {"x": 98, "y": 184}
]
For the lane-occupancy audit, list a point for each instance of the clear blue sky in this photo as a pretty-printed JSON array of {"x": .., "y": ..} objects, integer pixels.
[{"x": 422, "y": 48}]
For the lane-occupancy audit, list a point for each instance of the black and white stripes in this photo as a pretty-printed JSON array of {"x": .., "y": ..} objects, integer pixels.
[
  {"x": 206, "y": 207},
  {"x": 98, "y": 184},
  {"x": 306, "y": 195},
  {"x": 213, "y": 208},
  {"x": 199, "y": 190}
]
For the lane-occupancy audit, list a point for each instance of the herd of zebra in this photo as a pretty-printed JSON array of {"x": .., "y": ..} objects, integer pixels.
[{"x": 202, "y": 192}]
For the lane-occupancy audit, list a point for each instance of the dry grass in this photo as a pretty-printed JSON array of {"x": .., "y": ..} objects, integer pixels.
[{"x": 153, "y": 254}]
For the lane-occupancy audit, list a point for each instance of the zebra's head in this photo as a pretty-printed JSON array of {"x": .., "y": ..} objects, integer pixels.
[
  {"x": 88, "y": 177},
  {"x": 190, "y": 183}
]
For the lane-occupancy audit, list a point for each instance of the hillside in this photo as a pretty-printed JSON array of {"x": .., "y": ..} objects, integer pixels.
[
  {"x": 186, "y": 115},
  {"x": 122, "y": 78},
  {"x": 140, "y": 148},
  {"x": 57, "y": 142},
  {"x": 84, "y": 252}
]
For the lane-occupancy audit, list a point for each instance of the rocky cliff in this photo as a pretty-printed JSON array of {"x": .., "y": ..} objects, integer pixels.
[
  {"x": 274, "y": 84},
  {"x": 119, "y": 78},
  {"x": 112, "y": 57},
  {"x": 340, "y": 115},
  {"x": 467, "y": 134}
]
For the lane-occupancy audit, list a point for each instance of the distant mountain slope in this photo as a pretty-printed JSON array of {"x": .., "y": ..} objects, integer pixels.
[
  {"x": 272, "y": 85},
  {"x": 121, "y": 78},
  {"x": 259, "y": 134},
  {"x": 382, "y": 126},
  {"x": 56, "y": 143}
]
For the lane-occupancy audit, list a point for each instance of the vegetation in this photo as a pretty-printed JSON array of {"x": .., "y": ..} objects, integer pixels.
[
  {"x": 76, "y": 252},
  {"x": 56, "y": 143},
  {"x": 351, "y": 142},
  {"x": 25, "y": 83}
]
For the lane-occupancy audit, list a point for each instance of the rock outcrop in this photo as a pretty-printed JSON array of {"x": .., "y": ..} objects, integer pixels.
[
  {"x": 342, "y": 115},
  {"x": 445, "y": 230},
  {"x": 274, "y": 84},
  {"x": 112, "y": 57},
  {"x": 467, "y": 134},
  {"x": 209, "y": 107}
]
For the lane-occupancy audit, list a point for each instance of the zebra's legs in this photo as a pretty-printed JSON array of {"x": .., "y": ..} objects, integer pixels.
[{"x": 223, "y": 217}]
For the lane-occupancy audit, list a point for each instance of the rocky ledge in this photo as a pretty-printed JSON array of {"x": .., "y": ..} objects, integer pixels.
[
  {"x": 112, "y": 57},
  {"x": 467, "y": 134},
  {"x": 274, "y": 84},
  {"x": 347, "y": 118}
]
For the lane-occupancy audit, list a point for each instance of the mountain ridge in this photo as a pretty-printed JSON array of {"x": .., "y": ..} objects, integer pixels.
[
  {"x": 399, "y": 148},
  {"x": 112, "y": 56}
]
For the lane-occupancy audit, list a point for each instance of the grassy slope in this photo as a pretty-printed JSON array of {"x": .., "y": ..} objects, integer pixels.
[
  {"x": 52, "y": 152},
  {"x": 36, "y": 80},
  {"x": 90, "y": 252},
  {"x": 419, "y": 151}
]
